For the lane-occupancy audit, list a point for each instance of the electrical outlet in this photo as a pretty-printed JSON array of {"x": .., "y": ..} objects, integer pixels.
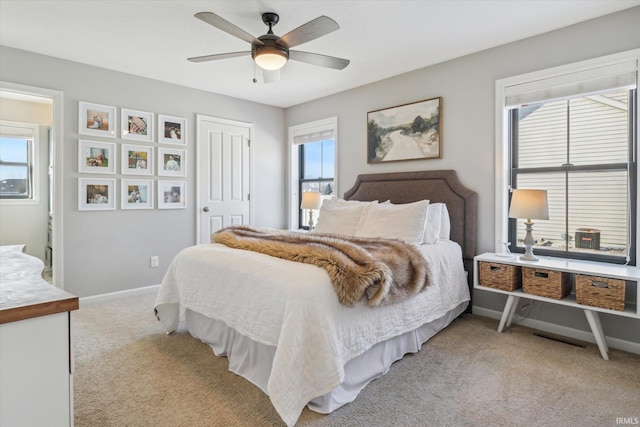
[{"x": 154, "y": 261}]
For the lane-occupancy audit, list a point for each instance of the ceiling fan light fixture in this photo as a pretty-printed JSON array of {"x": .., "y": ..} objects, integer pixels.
[
  {"x": 271, "y": 52},
  {"x": 270, "y": 61},
  {"x": 270, "y": 58}
]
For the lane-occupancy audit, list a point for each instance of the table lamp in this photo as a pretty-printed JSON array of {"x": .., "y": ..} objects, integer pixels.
[
  {"x": 529, "y": 204},
  {"x": 310, "y": 200}
]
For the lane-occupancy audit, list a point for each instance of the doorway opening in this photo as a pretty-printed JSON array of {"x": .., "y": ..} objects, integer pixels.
[{"x": 42, "y": 108}]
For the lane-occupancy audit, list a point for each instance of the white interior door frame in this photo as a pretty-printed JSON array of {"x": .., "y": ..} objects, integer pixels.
[
  {"x": 199, "y": 119},
  {"x": 56, "y": 97}
]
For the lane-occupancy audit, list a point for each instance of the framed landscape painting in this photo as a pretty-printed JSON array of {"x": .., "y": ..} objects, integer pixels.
[
  {"x": 96, "y": 120},
  {"x": 406, "y": 132}
]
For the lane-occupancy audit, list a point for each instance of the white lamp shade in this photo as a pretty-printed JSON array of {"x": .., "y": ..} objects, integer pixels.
[
  {"x": 310, "y": 200},
  {"x": 270, "y": 61},
  {"x": 529, "y": 204}
]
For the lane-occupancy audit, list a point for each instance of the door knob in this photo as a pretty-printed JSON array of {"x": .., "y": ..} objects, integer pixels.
[{"x": 206, "y": 209}]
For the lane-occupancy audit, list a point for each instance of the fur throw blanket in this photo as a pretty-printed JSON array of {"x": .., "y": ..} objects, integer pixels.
[{"x": 382, "y": 270}]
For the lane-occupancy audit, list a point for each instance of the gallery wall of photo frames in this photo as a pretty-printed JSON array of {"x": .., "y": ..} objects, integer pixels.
[{"x": 141, "y": 158}]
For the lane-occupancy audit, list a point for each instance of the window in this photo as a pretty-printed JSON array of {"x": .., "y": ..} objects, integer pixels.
[
  {"x": 313, "y": 166},
  {"x": 316, "y": 173},
  {"x": 18, "y": 174},
  {"x": 579, "y": 150},
  {"x": 574, "y": 134}
]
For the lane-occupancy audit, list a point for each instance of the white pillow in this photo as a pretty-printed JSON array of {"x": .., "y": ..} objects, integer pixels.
[
  {"x": 432, "y": 228},
  {"x": 343, "y": 202},
  {"x": 438, "y": 225},
  {"x": 445, "y": 223},
  {"x": 337, "y": 218},
  {"x": 389, "y": 221}
]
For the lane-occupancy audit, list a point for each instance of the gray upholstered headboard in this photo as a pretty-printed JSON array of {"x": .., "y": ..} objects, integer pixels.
[{"x": 435, "y": 186}]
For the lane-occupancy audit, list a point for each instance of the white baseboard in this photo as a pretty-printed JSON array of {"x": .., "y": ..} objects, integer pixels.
[
  {"x": 119, "y": 294},
  {"x": 617, "y": 343}
]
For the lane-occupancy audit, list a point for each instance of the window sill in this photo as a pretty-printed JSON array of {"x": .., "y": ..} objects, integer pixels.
[{"x": 19, "y": 202}]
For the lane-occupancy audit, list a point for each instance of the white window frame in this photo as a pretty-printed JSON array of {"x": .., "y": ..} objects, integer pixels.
[
  {"x": 330, "y": 123},
  {"x": 34, "y": 130},
  {"x": 502, "y": 147}
]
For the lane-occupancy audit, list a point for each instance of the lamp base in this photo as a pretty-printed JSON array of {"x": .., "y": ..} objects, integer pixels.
[
  {"x": 310, "y": 222},
  {"x": 528, "y": 257},
  {"x": 528, "y": 243}
]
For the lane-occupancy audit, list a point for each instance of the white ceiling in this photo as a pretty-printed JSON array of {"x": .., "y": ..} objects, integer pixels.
[{"x": 381, "y": 38}]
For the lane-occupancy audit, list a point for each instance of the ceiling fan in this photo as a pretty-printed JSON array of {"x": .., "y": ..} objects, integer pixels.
[{"x": 271, "y": 52}]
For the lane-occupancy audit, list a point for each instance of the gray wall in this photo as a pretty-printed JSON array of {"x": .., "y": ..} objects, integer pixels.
[
  {"x": 467, "y": 86},
  {"x": 33, "y": 218},
  {"x": 108, "y": 251}
]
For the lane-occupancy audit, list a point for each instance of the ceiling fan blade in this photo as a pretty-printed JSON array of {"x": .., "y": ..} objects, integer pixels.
[
  {"x": 317, "y": 59},
  {"x": 217, "y": 56},
  {"x": 226, "y": 26},
  {"x": 309, "y": 31}
]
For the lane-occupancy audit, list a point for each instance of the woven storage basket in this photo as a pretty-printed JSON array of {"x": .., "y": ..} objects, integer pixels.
[
  {"x": 600, "y": 292},
  {"x": 500, "y": 276},
  {"x": 545, "y": 283}
]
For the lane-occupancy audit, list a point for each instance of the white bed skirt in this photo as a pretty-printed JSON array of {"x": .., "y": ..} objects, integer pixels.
[{"x": 253, "y": 360}]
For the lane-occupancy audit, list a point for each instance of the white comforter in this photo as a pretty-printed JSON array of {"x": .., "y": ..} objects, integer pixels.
[{"x": 293, "y": 307}]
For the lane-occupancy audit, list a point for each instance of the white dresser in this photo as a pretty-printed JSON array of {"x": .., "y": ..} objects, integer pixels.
[{"x": 36, "y": 346}]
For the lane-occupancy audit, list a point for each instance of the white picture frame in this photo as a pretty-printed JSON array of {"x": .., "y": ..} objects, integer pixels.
[
  {"x": 96, "y": 194},
  {"x": 136, "y": 125},
  {"x": 172, "y": 194},
  {"x": 97, "y": 157},
  {"x": 136, "y": 194},
  {"x": 172, "y": 162},
  {"x": 172, "y": 130},
  {"x": 136, "y": 159},
  {"x": 96, "y": 119}
]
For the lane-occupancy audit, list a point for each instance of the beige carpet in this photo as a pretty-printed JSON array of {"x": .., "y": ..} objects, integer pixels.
[{"x": 130, "y": 374}]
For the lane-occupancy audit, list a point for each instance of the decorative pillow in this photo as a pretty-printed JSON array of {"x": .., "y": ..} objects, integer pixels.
[
  {"x": 389, "y": 221},
  {"x": 432, "y": 228},
  {"x": 343, "y": 202},
  {"x": 338, "y": 218}
]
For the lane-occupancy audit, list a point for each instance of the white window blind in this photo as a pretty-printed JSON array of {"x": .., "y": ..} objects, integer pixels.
[
  {"x": 617, "y": 76},
  {"x": 307, "y": 135},
  {"x": 17, "y": 131}
]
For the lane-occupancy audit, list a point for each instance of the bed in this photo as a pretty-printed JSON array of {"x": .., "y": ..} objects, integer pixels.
[{"x": 281, "y": 325}]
